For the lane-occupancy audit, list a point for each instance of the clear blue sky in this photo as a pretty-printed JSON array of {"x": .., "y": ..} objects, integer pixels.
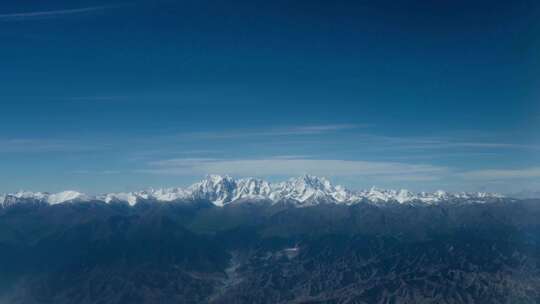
[{"x": 110, "y": 96}]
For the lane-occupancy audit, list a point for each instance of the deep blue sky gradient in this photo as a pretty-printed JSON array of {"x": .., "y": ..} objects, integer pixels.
[{"x": 98, "y": 96}]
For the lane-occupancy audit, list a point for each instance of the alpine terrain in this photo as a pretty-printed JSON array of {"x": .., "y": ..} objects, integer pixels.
[{"x": 226, "y": 240}]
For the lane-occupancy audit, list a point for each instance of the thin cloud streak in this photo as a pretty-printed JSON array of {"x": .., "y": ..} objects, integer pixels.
[
  {"x": 286, "y": 131},
  {"x": 418, "y": 143},
  {"x": 298, "y": 165},
  {"x": 30, "y": 145},
  {"x": 97, "y": 98},
  {"x": 295, "y": 166},
  {"x": 102, "y": 172},
  {"x": 502, "y": 174},
  {"x": 54, "y": 13}
]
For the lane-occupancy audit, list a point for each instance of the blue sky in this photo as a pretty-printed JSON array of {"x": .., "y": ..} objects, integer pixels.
[{"x": 103, "y": 96}]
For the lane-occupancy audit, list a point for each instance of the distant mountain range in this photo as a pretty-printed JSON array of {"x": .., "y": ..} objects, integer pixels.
[
  {"x": 219, "y": 190},
  {"x": 243, "y": 241}
]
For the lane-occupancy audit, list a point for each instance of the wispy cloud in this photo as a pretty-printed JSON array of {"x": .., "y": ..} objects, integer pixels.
[
  {"x": 325, "y": 128},
  {"x": 32, "y": 145},
  {"x": 283, "y": 131},
  {"x": 426, "y": 143},
  {"x": 98, "y": 172},
  {"x": 147, "y": 155},
  {"x": 296, "y": 166},
  {"x": 97, "y": 98},
  {"x": 53, "y": 13},
  {"x": 502, "y": 174}
]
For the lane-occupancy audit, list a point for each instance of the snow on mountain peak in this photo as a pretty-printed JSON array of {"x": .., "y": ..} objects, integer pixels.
[
  {"x": 309, "y": 190},
  {"x": 64, "y": 196},
  {"x": 215, "y": 188},
  {"x": 306, "y": 190},
  {"x": 43, "y": 197}
]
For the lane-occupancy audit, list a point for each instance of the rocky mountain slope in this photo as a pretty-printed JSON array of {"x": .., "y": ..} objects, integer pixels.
[{"x": 97, "y": 252}]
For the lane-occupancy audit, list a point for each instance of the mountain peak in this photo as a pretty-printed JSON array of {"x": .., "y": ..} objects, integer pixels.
[
  {"x": 221, "y": 190},
  {"x": 64, "y": 196},
  {"x": 313, "y": 181},
  {"x": 216, "y": 178}
]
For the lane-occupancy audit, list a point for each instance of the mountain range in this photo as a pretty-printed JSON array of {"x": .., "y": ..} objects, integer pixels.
[
  {"x": 225, "y": 240},
  {"x": 219, "y": 190}
]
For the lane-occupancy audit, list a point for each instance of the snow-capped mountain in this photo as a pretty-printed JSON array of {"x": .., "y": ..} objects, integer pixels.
[
  {"x": 42, "y": 197},
  {"x": 303, "y": 191},
  {"x": 309, "y": 190}
]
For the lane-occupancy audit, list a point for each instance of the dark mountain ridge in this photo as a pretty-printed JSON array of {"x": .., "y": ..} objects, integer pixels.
[{"x": 94, "y": 252}]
